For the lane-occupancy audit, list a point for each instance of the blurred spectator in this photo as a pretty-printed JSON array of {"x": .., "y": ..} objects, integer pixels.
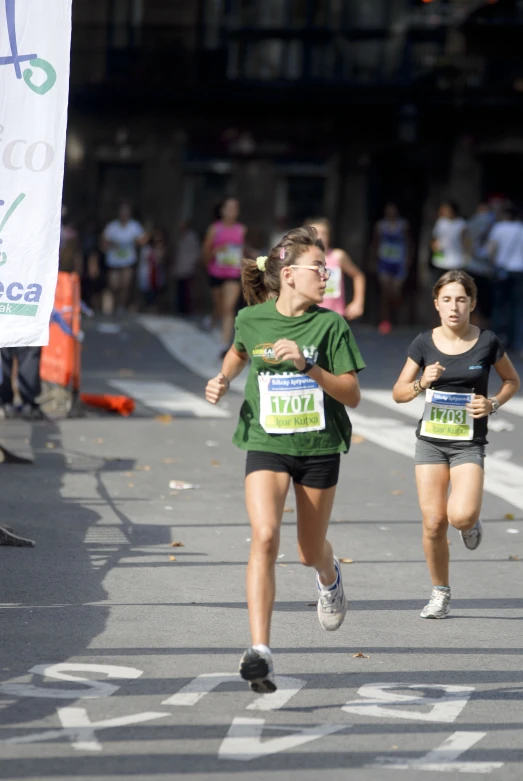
[
  {"x": 27, "y": 379},
  {"x": 450, "y": 241},
  {"x": 496, "y": 205},
  {"x": 480, "y": 267},
  {"x": 69, "y": 252},
  {"x": 222, "y": 252},
  {"x": 120, "y": 241},
  {"x": 505, "y": 247},
  {"x": 152, "y": 268},
  {"x": 187, "y": 256},
  {"x": 341, "y": 266},
  {"x": 93, "y": 270},
  {"x": 391, "y": 256}
]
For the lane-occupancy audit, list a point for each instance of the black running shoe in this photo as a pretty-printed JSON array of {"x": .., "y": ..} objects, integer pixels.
[{"x": 256, "y": 668}]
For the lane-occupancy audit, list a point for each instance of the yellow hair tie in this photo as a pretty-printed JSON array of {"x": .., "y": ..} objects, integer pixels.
[{"x": 261, "y": 262}]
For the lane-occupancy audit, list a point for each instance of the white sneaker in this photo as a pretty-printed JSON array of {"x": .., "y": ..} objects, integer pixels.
[
  {"x": 472, "y": 537},
  {"x": 332, "y": 604},
  {"x": 256, "y": 667},
  {"x": 438, "y": 605}
]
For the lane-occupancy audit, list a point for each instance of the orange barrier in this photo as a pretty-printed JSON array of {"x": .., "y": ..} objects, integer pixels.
[
  {"x": 60, "y": 363},
  {"x": 121, "y": 404}
]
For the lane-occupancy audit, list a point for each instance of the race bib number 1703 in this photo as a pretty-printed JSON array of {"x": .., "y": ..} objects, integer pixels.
[
  {"x": 290, "y": 404},
  {"x": 445, "y": 416}
]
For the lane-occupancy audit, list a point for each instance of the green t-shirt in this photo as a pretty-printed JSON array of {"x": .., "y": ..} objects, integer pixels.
[{"x": 282, "y": 398}]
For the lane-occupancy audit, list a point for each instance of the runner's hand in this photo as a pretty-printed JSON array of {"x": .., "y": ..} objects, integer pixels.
[
  {"x": 479, "y": 407},
  {"x": 431, "y": 374},
  {"x": 216, "y": 388},
  {"x": 353, "y": 310},
  {"x": 285, "y": 350}
]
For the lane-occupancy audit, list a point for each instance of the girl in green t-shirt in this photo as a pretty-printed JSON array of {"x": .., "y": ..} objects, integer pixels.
[{"x": 293, "y": 425}]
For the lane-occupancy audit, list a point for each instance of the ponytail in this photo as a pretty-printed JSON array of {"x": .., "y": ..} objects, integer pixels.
[{"x": 261, "y": 277}]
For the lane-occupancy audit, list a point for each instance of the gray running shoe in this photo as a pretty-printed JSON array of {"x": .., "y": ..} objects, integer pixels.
[
  {"x": 439, "y": 604},
  {"x": 256, "y": 668},
  {"x": 332, "y": 604},
  {"x": 472, "y": 537}
]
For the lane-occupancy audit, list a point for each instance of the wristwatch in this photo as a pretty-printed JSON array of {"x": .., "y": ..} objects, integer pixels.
[
  {"x": 309, "y": 363},
  {"x": 495, "y": 404}
]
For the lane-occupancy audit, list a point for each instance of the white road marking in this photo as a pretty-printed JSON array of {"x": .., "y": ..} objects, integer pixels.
[
  {"x": 377, "y": 699},
  {"x": 287, "y": 688},
  {"x": 502, "y": 478},
  {"x": 243, "y": 741},
  {"x": 205, "y": 683},
  {"x": 92, "y": 689},
  {"x": 80, "y": 731},
  {"x": 414, "y": 408},
  {"x": 193, "y": 348},
  {"x": 443, "y": 759},
  {"x": 164, "y": 397},
  {"x": 515, "y": 405}
]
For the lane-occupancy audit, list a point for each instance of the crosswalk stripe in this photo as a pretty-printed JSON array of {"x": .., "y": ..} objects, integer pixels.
[
  {"x": 165, "y": 397},
  {"x": 502, "y": 478},
  {"x": 515, "y": 406},
  {"x": 414, "y": 408},
  {"x": 202, "y": 357}
]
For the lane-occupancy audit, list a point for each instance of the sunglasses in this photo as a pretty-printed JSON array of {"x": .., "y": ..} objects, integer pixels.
[{"x": 321, "y": 270}]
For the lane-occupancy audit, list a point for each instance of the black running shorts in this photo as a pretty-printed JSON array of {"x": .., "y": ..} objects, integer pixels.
[{"x": 311, "y": 471}]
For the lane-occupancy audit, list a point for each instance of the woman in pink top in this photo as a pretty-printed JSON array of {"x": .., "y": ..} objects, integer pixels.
[
  {"x": 340, "y": 264},
  {"x": 223, "y": 253}
]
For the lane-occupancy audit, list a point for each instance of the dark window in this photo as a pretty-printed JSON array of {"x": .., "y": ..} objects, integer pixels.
[{"x": 126, "y": 17}]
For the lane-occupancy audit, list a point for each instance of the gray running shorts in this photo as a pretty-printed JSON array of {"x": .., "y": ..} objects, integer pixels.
[{"x": 450, "y": 453}]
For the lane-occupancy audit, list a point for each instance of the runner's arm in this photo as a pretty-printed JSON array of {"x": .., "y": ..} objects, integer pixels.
[
  {"x": 105, "y": 242},
  {"x": 234, "y": 363},
  {"x": 404, "y": 389},
  {"x": 207, "y": 247},
  {"x": 509, "y": 377},
  {"x": 344, "y": 388},
  {"x": 350, "y": 269}
]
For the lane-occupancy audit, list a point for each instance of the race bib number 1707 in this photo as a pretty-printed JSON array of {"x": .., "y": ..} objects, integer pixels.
[{"x": 290, "y": 404}]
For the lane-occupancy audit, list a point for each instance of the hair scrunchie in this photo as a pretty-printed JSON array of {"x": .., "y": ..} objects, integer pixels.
[{"x": 261, "y": 262}]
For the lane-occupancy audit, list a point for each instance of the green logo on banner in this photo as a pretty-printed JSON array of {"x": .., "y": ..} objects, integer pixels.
[{"x": 25, "y": 310}]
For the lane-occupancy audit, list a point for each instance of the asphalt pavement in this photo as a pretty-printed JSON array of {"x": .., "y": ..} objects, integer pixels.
[{"x": 122, "y": 628}]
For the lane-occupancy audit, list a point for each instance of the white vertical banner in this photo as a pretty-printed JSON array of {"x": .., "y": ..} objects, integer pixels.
[{"x": 35, "y": 39}]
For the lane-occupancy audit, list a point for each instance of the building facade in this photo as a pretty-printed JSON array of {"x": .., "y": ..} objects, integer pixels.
[{"x": 297, "y": 107}]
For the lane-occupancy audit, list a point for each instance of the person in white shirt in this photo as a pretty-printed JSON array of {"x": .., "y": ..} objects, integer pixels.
[
  {"x": 450, "y": 241},
  {"x": 120, "y": 241},
  {"x": 505, "y": 248}
]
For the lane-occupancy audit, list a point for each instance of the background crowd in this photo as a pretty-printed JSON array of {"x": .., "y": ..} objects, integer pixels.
[{"x": 130, "y": 266}]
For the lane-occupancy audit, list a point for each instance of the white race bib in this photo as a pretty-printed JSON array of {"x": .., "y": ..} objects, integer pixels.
[
  {"x": 290, "y": 404},
  {"x": 229, "y": 256},
  {"x": 333, "y": 284},
  {"x": 445, "y": 416}
]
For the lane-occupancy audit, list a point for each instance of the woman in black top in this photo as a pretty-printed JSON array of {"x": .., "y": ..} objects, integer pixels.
[{"x": 455, "y": 359}]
